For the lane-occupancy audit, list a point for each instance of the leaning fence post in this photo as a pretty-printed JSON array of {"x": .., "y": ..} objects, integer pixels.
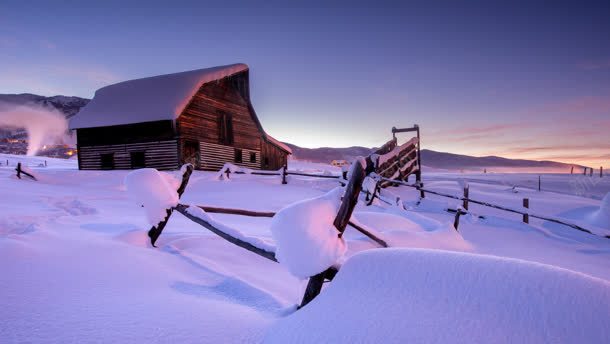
[
  {"x": 350, "y": 198},
  {"x": 456, "y": 219},
  {"x": 155, "y": 231},
  {"x": 526, "y": 204}
]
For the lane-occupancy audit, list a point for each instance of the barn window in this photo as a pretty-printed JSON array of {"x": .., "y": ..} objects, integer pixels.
[
  {"x": 138, "y": 160},
  {"x": 225, "y": 128},
  {"x": 238, "y": 155},
  {"x": 107, "y": 160},
  {"x": 252, "y": 157}
]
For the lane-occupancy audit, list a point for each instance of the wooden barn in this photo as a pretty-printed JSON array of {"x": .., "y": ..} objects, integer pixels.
[{"x": 203, "y": 117}]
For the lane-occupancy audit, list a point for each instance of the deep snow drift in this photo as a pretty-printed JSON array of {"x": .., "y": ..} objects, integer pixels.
[
  {"x": 432, "y": 296},
  {"x": 307, "y": 242},
  {"x": 77, "y": 265}
]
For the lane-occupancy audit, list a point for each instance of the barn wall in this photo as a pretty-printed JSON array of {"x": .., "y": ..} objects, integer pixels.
[
  {"x": 162, "y": 155},
  {"x": 273, "y": 157},
  {"x": 199, "y": 121}
]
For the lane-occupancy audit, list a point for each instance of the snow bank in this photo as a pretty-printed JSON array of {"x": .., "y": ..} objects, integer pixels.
[
  {"x": 601, "y": 217},
  {"x": 430, "y": 296},
  {"x": 151, "y": 189},
  {"x": 307, "y": 243}
]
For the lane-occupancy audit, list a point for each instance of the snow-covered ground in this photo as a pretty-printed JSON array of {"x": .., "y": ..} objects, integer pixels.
[{"x": 77, "y": 266}]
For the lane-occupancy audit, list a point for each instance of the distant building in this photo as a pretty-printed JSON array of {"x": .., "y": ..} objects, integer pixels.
[
  {"x": 203, "y": 117},
  {"x": 339, "y": 163}
]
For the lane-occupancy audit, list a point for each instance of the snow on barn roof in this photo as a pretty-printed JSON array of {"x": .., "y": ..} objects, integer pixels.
[{"x": 150, "y": 99}]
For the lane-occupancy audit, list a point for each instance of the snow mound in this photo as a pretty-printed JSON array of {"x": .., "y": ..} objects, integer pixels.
[
  {"x": 307, "y": 243},
  {"x": 431, "y": 296},
  {"x": 601, "y": 217},
  {"x": 151, "y": 189}
]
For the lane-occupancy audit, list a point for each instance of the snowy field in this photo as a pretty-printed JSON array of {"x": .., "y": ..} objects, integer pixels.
[{"x": 77, "y": 265}]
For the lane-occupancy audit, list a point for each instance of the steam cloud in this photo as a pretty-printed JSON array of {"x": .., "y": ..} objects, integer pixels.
[{"x": 41, "y": 124}]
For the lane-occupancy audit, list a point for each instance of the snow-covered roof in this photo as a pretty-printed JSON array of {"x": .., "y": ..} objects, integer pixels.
[{"x": 150, "y": 99}]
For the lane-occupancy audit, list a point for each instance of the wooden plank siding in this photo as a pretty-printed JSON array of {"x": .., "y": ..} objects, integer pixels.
[
  {"x": 199, "y": 121},
  {"x": 162, "y": 155},
  {"x": 214, "y": 156}
]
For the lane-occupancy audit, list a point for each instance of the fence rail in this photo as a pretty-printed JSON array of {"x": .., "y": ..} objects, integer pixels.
[{"x": 495, "y": 206}]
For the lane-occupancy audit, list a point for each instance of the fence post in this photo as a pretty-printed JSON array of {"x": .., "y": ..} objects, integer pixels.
[
  {"x": 584, "y": 173},
  {"x": 284, "y": 181},
  {"x": 526, "y": 204},
  {"x": 539, "y": 184},
  {"x": 456, "y": 219},
  {"x": 601, "y": 171},
  {"x": 465, "y": 201},
  {"x": 228, "y": 172},
  {"x": 591, "y": 172},
  {"x": 572, "y": 170}
]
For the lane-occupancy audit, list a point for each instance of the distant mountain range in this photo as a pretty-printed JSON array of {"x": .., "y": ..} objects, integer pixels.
[{"x": 431, "y": 159}]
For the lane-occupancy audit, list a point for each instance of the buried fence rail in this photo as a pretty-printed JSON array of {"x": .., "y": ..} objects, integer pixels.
[
  {"x": 499, "y": 207},
  {"x": 182, "y": 209},
  {"x": 252, "y": 213}
]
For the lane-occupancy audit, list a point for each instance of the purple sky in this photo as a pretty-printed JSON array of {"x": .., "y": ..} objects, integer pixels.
[{"x": 520, "y": 80}]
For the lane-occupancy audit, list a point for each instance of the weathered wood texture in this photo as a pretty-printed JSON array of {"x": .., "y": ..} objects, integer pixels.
[
  {"x": 162, "y": 155},
  {"x": 201, "y": 119}
]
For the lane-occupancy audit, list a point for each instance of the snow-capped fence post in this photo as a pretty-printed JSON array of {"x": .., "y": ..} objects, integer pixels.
[
  {"x": 350, "y": 198},
  {"x": 155, "y": 231},
  {"x": 526, "y": 204}
]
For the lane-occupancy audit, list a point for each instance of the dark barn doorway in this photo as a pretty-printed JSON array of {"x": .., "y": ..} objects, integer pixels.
[{"x": 191, "y": 153}]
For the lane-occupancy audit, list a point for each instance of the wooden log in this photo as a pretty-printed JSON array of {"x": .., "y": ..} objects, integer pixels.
[
  {"x": 155, "y": 231},
  {"x": 526, "y": 204},
  {"x": 182, "y": 209}
]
